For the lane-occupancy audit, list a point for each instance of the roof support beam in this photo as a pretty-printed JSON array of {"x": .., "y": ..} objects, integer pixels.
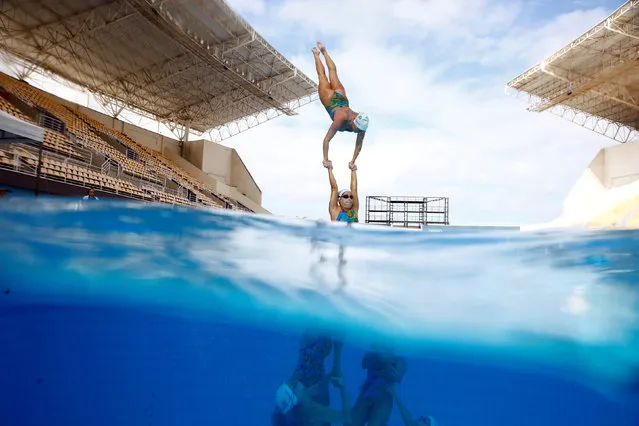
[
  {"x": 610, "y": 129},
  {"x": 218, "y": 49},
  {"x": 613, "y": 20},
  {"x": 232, "y": 128},
  {"x": 90, "y": 30},
  {"x": 215, "y": 18},
  {"x": 55, "y": 35},
  {"x": 151, "y": 14},
  {"x": 581, "y": 84},
  {"x": 620, "y": 29},
  {"x": 188, "y": 68},
  {"x": 267, "y": 84},
  {"x": 584, "y": 84},
  {"x": 82, "y": 16},
  {"x": 146, "y": 71}
]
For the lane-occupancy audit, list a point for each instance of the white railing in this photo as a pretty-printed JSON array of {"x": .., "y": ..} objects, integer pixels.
[
  {"x": 106, "y": 167},
  {"x": 19, "y": 156},
  {"x": 51, "y": 123}
]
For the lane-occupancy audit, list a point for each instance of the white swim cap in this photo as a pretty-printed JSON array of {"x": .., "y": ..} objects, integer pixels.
[
  {"x": 341, "y": 192},
  {"x": 285, "y": 398},
  {"x": 361, "y": 121}
]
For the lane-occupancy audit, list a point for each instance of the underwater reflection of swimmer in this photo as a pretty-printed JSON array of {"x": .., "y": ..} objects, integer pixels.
[
  {"x": 375, "y": 401},
  {"x": 297, "y": 407},
  {"x": 304, "y": 398},
  {"x": 324, "y": 260},
  {"x": 340, "y": 268}
]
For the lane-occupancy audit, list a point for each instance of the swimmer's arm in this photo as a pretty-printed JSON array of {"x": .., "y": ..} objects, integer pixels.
[
  {"x": 354, "y": 190},
  {"x": 317, "y": 413},
  {"x": 358, "y": 146},
  {"x": 337, "y": 124},
  {"x": 346, "y": 405},
  {"x": 406, "y": 416},
  {"x": 334, "y": 191},
  {"x": 337, "y": 358},
  {"x": 321, "y": 414}
]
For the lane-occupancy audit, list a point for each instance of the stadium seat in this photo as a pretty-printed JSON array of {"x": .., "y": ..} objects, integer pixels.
[{"x": 84, "y": 131}]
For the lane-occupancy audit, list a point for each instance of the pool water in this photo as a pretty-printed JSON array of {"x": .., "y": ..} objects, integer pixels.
[{"x": 121, "y": 313}]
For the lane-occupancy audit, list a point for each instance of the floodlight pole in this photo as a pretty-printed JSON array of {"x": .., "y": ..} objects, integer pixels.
[{"x": 185, "y": 137}]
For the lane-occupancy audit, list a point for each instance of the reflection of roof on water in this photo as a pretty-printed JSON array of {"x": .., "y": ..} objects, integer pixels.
[
  {"x": 191, "y": 62},
  {"x": 594, "y": 80}
]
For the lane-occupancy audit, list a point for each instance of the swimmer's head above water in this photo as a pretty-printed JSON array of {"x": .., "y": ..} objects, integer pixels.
[{"x": 345, "y": 199}]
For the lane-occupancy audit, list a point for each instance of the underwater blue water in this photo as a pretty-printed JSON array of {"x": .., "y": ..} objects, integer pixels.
[{"x": 129, "y": 314}]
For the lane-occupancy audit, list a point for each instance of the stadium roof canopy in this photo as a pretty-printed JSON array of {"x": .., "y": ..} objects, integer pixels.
[
  {"x": 593, "y": 81},
  {"x": 191, "y": 62}
]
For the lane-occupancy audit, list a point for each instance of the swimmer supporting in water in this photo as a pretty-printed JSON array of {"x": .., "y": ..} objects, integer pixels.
[
  {"x": 296, "y": 406},
  {"x": 304, "y": 398},
  {"x": 344, "y": 204},
  {"x": 333, "y": 97},
  {"x": 375, "y": 401}
]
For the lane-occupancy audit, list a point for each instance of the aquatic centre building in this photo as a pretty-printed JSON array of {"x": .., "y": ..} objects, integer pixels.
[
  {"x": 195, "y": 67},
  {"x": 594, "y": 82}
]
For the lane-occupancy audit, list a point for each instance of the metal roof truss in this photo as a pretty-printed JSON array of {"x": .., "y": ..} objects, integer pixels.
[
  {"x": 191, "y": 62},
  {"x": 594, "y": 81}
]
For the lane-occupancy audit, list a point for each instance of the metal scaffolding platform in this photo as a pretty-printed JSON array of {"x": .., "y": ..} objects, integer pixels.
[{"x": 406, "y": 212}]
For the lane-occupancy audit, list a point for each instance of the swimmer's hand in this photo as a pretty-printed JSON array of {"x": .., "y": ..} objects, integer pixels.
[
  {"x": 352, "y": 166},
  {"x": 328, "y": 164}
]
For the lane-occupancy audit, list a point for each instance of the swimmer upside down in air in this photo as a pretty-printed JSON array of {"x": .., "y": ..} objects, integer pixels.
[{"x": 333, "y": 96}]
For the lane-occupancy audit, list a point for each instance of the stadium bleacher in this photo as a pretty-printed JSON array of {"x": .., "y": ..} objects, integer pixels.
[
  {"x": 195, "y": 67},
  {"x": 73, "y": 139}
]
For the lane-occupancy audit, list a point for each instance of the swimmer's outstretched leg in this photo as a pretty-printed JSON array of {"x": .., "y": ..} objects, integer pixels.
[
  {"x": 332, "y": 69},
  {"x": 319, "y": 66},
  {"x": 324, "y": 88}
]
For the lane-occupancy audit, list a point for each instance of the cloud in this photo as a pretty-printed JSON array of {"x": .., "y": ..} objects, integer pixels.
[
  {"x": 530, "y": 45},
  {"x": 383, "y": 19},
  {"x": 431, "y": 75},
  {"x": 248, "y": 6}
]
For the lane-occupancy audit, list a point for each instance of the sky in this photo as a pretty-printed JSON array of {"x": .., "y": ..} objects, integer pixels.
[{"x": 431, "y": 74}]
